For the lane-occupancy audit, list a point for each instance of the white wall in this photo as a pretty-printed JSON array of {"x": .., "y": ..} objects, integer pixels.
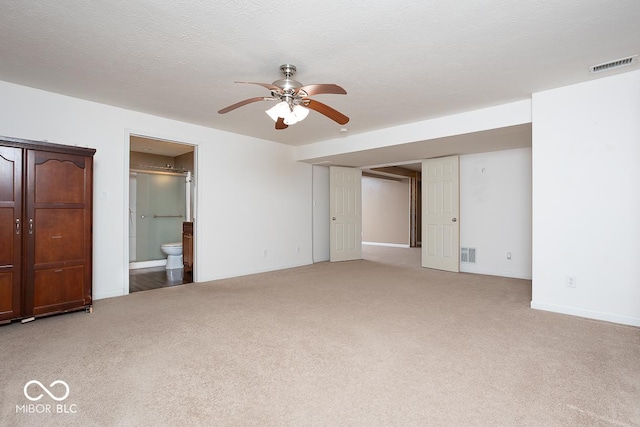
[
  {"x": 386, "y": 211},
  {"x": 586, "y": 156},
  {"x": 254, "y": 199},
  {"x": 252, "y": 196},
  {"x": 321, "y": 213},
  {"x": 495, "y": 212}
]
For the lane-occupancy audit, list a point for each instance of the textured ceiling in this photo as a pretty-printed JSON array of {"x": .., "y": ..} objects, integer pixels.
[
  {"x": 400, "y": 62},
  {"x": 161, "y": 148}
]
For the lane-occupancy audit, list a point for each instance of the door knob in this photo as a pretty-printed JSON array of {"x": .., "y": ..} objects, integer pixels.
[
  {"x": 333, "y": 218},
  {"x": 454, "y": 220}
]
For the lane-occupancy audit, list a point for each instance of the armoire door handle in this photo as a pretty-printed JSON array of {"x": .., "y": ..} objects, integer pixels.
[
  {"x": 17, "y": 225},
  {"x": 31, "y": 226}
]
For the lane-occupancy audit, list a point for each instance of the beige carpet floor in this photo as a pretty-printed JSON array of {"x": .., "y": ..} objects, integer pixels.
[{"x": 376, "y": 342}]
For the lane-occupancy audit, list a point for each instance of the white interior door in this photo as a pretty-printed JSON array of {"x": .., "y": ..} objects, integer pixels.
[
  {"x": 345, "y": 206},
  {"x": 440, "y": 213}
]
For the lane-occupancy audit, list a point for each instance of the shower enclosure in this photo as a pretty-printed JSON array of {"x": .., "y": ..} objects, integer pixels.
[{"x": 159, "y": 202}]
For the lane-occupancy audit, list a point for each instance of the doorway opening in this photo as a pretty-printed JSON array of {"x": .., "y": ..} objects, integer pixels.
[
  {"x": 161, "y": 212},
  {"x": 391, "y": 209}
]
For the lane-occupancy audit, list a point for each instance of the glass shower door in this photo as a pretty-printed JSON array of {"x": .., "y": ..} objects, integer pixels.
[{"x": 160, "y": 211}]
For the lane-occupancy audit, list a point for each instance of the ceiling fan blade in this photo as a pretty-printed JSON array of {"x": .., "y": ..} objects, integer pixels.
[
  {"x": 311, "y": 90},
  {"x": 267, "y": 85},
  {"x": 280, "y": 124},
  {"x": 334, "y": 115},
  {"x": 241, "y": 103}
]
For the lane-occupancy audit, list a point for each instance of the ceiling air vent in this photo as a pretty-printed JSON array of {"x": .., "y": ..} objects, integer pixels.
[{"x": 613, "y": 64}]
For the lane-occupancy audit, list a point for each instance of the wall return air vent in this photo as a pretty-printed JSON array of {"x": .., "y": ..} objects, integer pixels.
[
  {"x": 606, "y": 66},
  {"x": 468, "y": 255}
]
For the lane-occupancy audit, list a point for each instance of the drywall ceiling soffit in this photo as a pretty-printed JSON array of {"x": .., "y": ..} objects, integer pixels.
[
  {"x": 408, "y": 155},
  {"x": 399, "y": 62}
]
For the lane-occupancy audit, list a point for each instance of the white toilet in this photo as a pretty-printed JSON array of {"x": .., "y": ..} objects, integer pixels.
[{"x": 174, "y": 254}]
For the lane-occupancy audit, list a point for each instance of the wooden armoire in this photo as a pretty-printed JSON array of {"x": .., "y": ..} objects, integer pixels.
[{"x": 46, "y": 211}]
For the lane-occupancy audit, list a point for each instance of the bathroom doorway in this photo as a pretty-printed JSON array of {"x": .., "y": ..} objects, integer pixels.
[{"x": 161, "y": 194}]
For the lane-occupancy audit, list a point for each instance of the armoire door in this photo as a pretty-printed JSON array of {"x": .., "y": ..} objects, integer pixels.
[
  {"x": 10, "y": 232},
  {"x": 58, "y": 227}
]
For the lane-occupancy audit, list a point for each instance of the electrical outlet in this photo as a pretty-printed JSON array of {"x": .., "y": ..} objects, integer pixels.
[
  {"x": 508, "y": 255},
  {"x": 571, "y": 281}
]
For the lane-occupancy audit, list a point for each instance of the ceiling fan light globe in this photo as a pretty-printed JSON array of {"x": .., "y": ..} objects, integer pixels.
[
  {"x": 300, "y": 112},
  {"x": 290, "y": 119},
  {"x": 278, "y": 110},
  {"x": 283, "y": 109}
]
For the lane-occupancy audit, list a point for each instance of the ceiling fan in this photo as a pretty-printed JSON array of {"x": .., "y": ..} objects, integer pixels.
[{"x": 293, "y": 100}]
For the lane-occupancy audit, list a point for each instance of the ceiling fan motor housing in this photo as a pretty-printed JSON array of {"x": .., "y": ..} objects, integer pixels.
[{"x": 288, "y": 84}]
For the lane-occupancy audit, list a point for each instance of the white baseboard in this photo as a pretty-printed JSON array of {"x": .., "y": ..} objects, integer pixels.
[
  {"x": 589, "y": 314},
  {"x": 109, "y": 294},
  {"x": 391, "y": 245},
  {"x": 465, "y": 269},
  {"x": 229, "y": 275},
  {"x": 147, "y": 264}
]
